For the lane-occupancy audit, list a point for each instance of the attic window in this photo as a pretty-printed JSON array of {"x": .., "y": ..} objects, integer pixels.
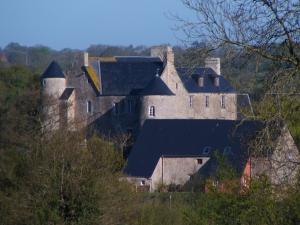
[
  {"x": 200, "y": 81},
  {"x": 217, "y": 81},
  {"x": 152, "y": 111},
  {"x": 89, "y": 107},
  {"x": 206, "y": 150},
  {"x": 199, "y": 161}
]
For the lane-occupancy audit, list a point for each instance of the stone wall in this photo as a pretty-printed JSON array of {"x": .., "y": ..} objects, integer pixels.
[
  {"x": 175, "y": 170},
  {"x": 190, "y": 107}
]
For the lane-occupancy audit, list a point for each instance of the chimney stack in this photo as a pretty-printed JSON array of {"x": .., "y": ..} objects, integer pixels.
[
  {"x": 213, "y": 63},
  {"x": 165, "y": 53},
  {"x": 86, "y": 58}
]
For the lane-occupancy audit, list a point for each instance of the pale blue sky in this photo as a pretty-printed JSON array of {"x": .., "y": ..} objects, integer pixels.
[{"x": 79, "y": 23}]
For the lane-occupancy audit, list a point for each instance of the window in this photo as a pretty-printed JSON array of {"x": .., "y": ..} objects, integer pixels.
[
  {"x": 217, "y": 81},
  {"x": 115, "y": 108},
  {"x": 152, "y": 111},
  {"x": 89, "y": 107},
  {"x": 206, "y": 101},
  {"x": 43, "y": 83},
  {"x": 191, "y": 100},
  {"x": 200, "y": 81},
  {"x": 223, "y": 101},
  {"x": 199, "y": 161},
  {"x": 143, "y": 183}
]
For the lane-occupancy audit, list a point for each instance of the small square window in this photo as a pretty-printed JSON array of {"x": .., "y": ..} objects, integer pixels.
[{"x": 199, "y": 161}]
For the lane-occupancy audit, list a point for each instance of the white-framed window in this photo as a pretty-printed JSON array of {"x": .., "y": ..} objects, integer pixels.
[
  {"x": 152, "y": 111},
  {"x": 207, "y": 101},
  {"x": 191, "y": 101},
  {"x": 89, "y": 106},
  {"x": 223, "y": 101}
]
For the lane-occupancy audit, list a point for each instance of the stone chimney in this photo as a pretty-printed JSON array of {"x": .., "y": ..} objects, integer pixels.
[
  {"x": 86, "y": 58},
  {"x": 164, "y": 52},
  {"x": 213, "y": 63}
]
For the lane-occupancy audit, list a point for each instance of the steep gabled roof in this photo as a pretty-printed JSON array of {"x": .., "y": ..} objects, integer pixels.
[
  {"x": 188, "y": 137},
  {"x": 120, "y": 75},
  {"x": 155, "y": 87},
  {"x": 53, "y": 71},
  {"x": 189, "y": 78}
]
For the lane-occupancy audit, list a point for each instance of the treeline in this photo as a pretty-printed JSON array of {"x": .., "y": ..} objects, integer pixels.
[{"x": 244, "y": 71}]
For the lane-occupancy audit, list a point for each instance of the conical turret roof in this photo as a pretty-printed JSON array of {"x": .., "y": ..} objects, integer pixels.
[{"x": 53, "y": 71}]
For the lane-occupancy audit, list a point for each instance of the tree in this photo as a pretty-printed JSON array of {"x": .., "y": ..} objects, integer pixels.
[{"x": 263, "y": 28}]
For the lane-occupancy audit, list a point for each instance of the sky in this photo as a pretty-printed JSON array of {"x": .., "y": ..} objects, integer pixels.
[{"x": 79, "y": 23}]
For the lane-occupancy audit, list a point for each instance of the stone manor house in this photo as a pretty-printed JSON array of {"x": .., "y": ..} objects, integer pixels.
[{"x": 154, "y": 101}]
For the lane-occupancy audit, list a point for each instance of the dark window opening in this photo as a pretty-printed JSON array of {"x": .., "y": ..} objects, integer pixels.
[
  {"x": 206, "y": 101},
  {"x": 152, "y": 111},
  {"x": 223, "y": 101},
  {"x": 199, "y": 161}
]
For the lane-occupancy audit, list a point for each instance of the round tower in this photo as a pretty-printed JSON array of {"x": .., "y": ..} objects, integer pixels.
[
  {"x": 53, "y": 81},
  {"x": 152, "y": 99},
  {"x": 53, "y": 84}
]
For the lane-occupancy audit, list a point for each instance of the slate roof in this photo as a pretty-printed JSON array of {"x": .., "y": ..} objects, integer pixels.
[
  {"x": 66, "y": 94},
  {"x": 123, "y": 74},
  {"x": 155, "y": 87},
  {"x": 188, "y": 137},
  {"x": 189, "y": 78},
  {"x": 53, "y": 71}
]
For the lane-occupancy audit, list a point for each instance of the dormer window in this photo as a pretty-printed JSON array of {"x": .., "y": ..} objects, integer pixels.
[
  {"x": 152, "y": 111},
  {"x": 89, "y": 107},
  {"x": 200, "y": 81},
  {"x": 217, "y": 81}
]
